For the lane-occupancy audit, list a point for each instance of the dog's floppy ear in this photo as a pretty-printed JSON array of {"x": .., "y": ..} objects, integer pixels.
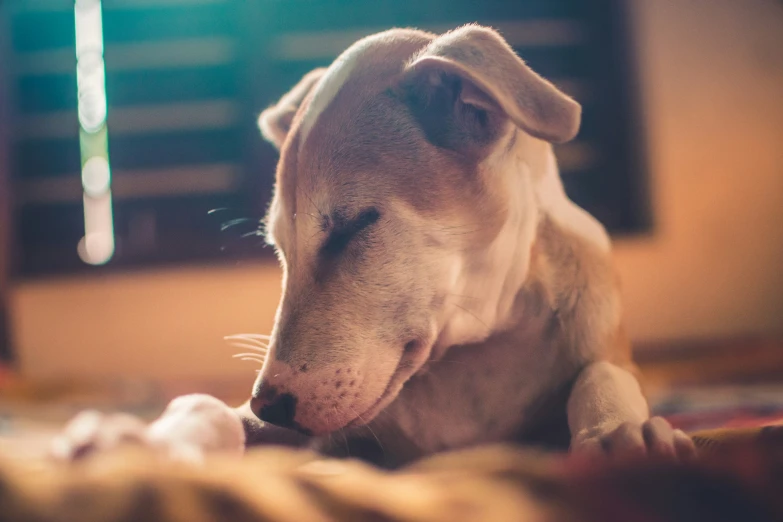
[
  {"x": 486, "y": 74},
  {"x": 275, "y": 122}
]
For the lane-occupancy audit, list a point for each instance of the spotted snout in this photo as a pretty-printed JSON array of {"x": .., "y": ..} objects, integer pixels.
[{"x": 310, "y": 401}]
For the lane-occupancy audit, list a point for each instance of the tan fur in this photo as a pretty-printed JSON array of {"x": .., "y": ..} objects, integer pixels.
[
  {"x": 473, "y": 301},
  {"x": 482, "y": 56},
  {"x": 276, "y": 121},
  {"x": 545, "y": 299}
]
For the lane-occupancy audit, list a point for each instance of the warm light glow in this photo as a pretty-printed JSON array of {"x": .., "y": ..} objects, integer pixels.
[
  {"x": 97, "y": 245},
  {"x": 96, "y": 176},
  {"x": 90, "y": 71},
  {"x": 91, "y": 81},
  {"x": 89, "y": 27}
]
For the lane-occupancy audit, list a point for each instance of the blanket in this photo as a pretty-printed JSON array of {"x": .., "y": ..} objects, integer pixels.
[{"x": 737, "y": 477}]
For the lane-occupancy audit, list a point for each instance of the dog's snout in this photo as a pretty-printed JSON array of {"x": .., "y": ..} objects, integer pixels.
[{"x": 274, "y": 408}]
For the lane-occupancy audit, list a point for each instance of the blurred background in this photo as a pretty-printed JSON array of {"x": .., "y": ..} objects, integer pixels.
[{"x": 123, "y": 123}]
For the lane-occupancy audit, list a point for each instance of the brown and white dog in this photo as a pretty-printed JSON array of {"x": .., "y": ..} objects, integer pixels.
[{"x": 440, "y": 289}]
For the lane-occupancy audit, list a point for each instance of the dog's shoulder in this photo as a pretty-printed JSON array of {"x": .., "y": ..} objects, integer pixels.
[{"x": 577, "y": 279}]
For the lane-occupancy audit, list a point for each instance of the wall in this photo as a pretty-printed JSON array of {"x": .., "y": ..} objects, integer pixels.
[
  {"x": 712, "y": 72},
  {"x": 169, "y": 322},
  {"x": 5, "y": 206}
]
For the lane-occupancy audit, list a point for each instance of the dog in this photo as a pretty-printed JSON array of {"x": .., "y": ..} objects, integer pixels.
[{"x": 440, "y": 290}]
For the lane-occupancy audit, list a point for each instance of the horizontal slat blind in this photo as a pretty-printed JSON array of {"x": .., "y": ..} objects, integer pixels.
[
  {"x": 185, "y": 79},
  {"x": 174, "y": 128}
]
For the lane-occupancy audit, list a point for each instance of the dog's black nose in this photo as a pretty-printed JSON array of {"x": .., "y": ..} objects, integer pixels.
[{"x": 279, "y": 410}]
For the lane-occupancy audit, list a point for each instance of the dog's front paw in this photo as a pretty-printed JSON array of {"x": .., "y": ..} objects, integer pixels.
[{"x": 654, "y": 438}]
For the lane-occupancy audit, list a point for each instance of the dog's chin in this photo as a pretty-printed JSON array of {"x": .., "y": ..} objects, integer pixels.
[
  {"x": 406, "y": 369},
  {"x": 389, "y": 394},
  {"x": 409, "y": 364}
]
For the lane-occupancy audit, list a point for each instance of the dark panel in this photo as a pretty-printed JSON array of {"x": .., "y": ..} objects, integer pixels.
[
  {"x": 45, "y": 93},
  {"x": 47, "y": 157},
  {"x": 42, "y": 30},
  {"x": 611, "y": 185},
  {"x": 167, "y": 22},
  {"x": 304, "y": 15},
  {"x": 168, "y": 86},
  {"x": 180, "y": 149},
  {"x": 50, "y": 234}
]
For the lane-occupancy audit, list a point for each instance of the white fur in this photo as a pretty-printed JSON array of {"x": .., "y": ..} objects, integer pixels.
[
  {"x": 608, "y": 415},
  {"x": 493, "y": 279},
  {"x": 604, "y": 397},
  {"x": 496, "y": 277},
  {"x": 553, "y": 200},
  {"x": 331, "y": 83}
]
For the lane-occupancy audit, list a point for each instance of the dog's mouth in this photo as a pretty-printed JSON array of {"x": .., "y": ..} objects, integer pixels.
[
  {"x": 386, "y": 397},
  {"x": 406, "y": 368}
]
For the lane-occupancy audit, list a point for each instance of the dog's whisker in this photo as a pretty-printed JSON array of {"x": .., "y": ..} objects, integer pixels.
[
  {"x": 345, "y": 442},
  {"x": 248, "y": 342},
  {"x": 320, "y": 212},
  {"x": 250, "y": 336},
  {"x": 316, "y": 233},
  {"x": 342, "y": 433},
  {"x": 472, "y": 315},
  {"x": 255, "y": 348},
  {"x": 257, "y": 342},
  {"x": 367, "y": 425},
  {"x": 259, "y": 362},
  {"x": 252, "y": 359},
  {"x": 258, "y": 355},
  {"x": 234, "y": 222},
  {"x": 384, "y": 418},
  {"x": 248, "y": 355}
]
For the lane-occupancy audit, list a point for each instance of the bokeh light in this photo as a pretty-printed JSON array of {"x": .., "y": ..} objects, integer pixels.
[{"x": 97, "y": 245}]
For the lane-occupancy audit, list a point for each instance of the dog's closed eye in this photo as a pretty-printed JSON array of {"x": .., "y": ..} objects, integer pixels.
[{"x": 343, "y": 231}]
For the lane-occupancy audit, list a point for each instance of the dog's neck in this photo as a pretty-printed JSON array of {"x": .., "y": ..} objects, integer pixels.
[{"x": 485, "y": 285}]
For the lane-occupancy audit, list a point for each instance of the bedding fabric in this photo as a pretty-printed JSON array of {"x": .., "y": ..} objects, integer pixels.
[{"x": 738, "y": 477}]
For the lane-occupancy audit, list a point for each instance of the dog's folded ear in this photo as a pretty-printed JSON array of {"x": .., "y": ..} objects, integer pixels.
[
  {"x": 275, "y": 122},
  {"x": 487, "y": 84}
]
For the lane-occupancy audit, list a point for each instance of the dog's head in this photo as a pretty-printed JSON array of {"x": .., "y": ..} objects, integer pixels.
[{"x": 389, "y": 191}]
